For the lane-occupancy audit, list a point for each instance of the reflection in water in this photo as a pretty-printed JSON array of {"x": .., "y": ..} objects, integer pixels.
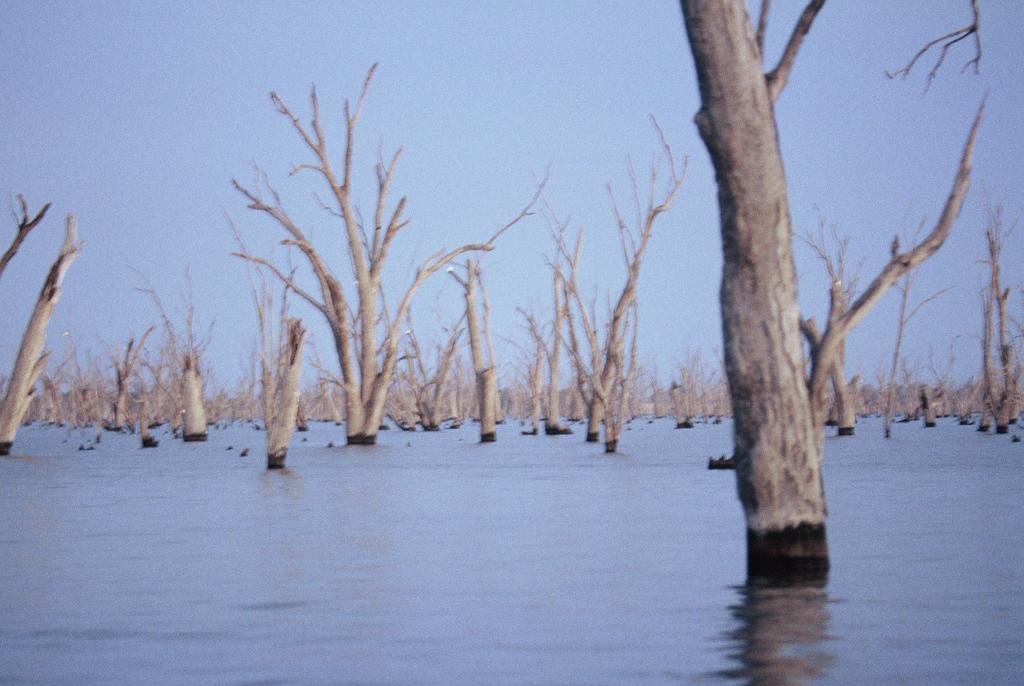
[
  {"x": 781, "y": 634},
  {"x": 284, "y": 481}
]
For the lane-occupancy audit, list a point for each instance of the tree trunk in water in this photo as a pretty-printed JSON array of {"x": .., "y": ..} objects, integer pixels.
[
  {"x": 31, "y": 359},
  {"x": 778, "y": 443},
  {"x": 928, "y": 405},
  {"x": 487, "y": 390},
  {"x": 846, "y": 405},
  {"x": 552, "y": 425},
  {"x": 285, "y": 404},
  {"x": 594, "y": 419},
  {"x": 147, "y": 440},
  {"x": 121, "y": 405},
  {"x": 194, "y": 428}
]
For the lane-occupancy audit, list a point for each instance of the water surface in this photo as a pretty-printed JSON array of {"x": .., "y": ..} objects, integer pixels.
[{"x": 432, "y": 559}]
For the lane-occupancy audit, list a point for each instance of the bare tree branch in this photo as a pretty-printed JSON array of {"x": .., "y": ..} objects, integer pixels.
[
  {"x": 947, "y": 41},
  {"x": 777, "y": 77}
]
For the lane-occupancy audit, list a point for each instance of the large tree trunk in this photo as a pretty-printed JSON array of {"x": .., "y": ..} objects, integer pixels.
[
  {"x": 30, "y": 359},
  {"x": 778, "y": 444},
  {"x": 194, "y": 428}
]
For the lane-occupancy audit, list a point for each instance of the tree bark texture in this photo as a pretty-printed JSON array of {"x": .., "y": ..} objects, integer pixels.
[{"x": 778, "y": 445}]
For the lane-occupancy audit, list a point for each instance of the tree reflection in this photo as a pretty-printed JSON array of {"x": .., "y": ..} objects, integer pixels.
[{"x": 781, "y": 633}]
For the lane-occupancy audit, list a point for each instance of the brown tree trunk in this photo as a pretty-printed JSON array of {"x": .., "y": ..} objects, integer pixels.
[{"x": 778, "y": 443}]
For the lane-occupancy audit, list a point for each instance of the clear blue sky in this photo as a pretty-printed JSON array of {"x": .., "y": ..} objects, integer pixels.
[{"x": 135, "y": 116}]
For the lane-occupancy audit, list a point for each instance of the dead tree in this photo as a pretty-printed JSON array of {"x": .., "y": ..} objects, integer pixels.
[
  {"x": 597, "y": 369},
  {"x": 31, "y": 359},
  {"x": 553, "y": 424},
  {"x": 841, "y": 288},
  {"x": 481, "y": 348},
  {"x": 123, "y": 370},
  {"x": 429, "y": 385},
  {"x": 620, "y": 390},
  {"x": 777, "y": 409},
  {"x": 281, "y": 391},
  {"x": 902, "y": 319},
  {"x": 182, "y": 361},
  {"x": 366, "y": 364},
  {"x": 534, "y": 372},
  {"x": 1000, "y": 389}
]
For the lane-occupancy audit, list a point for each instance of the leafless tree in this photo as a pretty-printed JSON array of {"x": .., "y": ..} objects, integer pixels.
[
  {"x": 599, "y": 366},
  {"x": 842, "y": 286},
  {"x": 429, "y": 384},
  {"x": 124, "y": 368},
  {"x": 481, "y": 346},
  {"x": 366, "y": 364},
  {"x": 777, "y": 408},
  {"x": 1001, "y": 388},
  {"x": 30, "y": 359}
]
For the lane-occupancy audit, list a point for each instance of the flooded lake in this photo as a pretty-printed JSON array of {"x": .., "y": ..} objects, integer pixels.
[{"x": 432, "y": 559}]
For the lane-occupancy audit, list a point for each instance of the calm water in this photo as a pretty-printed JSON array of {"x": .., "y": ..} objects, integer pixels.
[{"x": 431, "y": 559}]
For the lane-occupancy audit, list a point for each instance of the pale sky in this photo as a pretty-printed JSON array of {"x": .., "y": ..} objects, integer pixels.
[{"x": 135, "y": 117}]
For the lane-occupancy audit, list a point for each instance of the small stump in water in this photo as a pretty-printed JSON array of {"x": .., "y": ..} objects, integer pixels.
[
  {"x": 149, "y": 442},
  {"x": 685, "y": 424},
  {"x": 722, "y": 462},
  {"x": 276, "y": 460}
]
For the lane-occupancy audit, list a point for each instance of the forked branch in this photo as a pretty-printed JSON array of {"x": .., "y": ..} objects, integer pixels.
[{"x": 944, "y": 43}]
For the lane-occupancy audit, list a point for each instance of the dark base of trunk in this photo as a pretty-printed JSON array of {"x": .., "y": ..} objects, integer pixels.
[
  {"x": 149, "y": 442},
  {"x": 966, "y": 421},
  {"x": 489, "y": 437},
  {"x": 845, "y": 431},
  {"x": 593, "y": 436},
  {"x": 686, "y": 424},
  {"x": 361, "y": 439},
  {"x": 929, "y": 425},
  {"x": 276, "y": 461},
  {"x": 431, "y": 427},
  {"x": 302, "y": 427},
  {"x": 800, "y": 551},
  {"x": 531, "y": 432},
  {"x": 194, "y": 438},
  {"x": 5, "y": 447},
  {"x": 984, "y": 427},
  {"x": 611, "y": 446},
  {"x": 830, "y": 422},
  {"x": 1002, "y": 429},
  {"x": 556, "y": 430}
]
